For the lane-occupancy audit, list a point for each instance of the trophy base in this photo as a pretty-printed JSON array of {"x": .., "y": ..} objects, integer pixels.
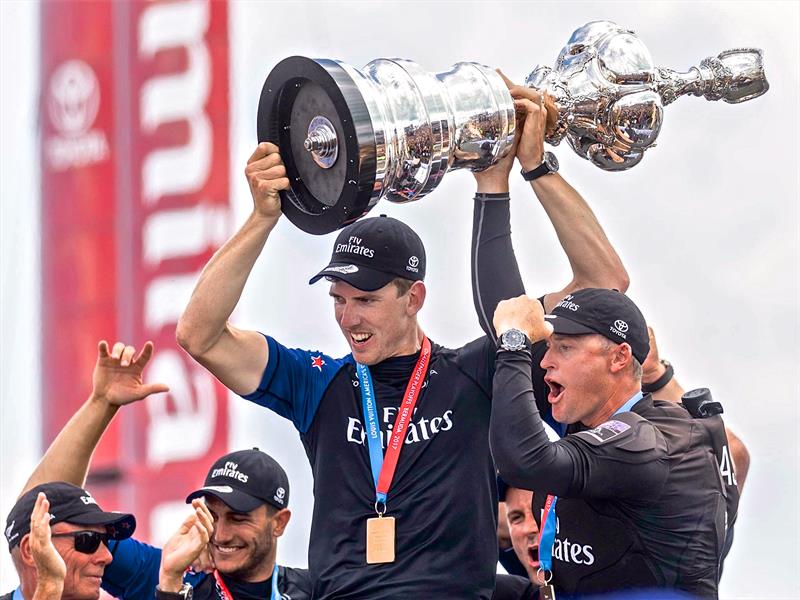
[{"x": 315, "y": 113}]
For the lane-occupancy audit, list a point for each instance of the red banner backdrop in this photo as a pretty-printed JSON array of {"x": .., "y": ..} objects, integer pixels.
[{"x": 135, "y": 183}]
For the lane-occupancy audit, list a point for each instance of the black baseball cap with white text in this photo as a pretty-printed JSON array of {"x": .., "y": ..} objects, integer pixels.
[
  {"x": 244, "y": 480},
  {"x": 68, "y": 504},
  {"x": 607, "y": 312},
  {"x": 370, "y": 253}
]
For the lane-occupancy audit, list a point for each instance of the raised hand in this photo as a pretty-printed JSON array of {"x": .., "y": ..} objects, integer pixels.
[
  {"x": 117, "y": 374},
  {"x": 525, "y": 314},
  {"x": 266, "y": 176},
  {"x": 495, "y": 178},
  {"x": 50, "y": 567},
  {"x": 532, "y": 110},
  {"x": 185, "y": 547}
]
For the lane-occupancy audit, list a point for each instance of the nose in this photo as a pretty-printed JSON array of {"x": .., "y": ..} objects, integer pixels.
[
  {"x": 220, "y": 534},
  {"x": 531, "y": 529},
  {"x": 348, "y": 316},
  {"x": 102, "y": 555},
  {"x": 547, "y": 360}
]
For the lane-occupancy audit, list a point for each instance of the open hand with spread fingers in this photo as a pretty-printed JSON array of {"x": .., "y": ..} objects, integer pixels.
[{"x": 118, "y": 374}]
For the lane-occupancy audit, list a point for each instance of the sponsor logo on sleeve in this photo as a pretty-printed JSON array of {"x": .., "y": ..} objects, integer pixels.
[
  {"x": 607, "y": 431},
  {"x": 317, "y": 362}
]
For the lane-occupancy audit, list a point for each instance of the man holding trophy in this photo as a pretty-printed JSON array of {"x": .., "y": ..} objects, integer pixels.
[
  {"x": 396, "y": 432},
  {"x": 422, "y": 518}
]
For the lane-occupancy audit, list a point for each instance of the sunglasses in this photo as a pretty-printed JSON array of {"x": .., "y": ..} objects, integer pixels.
[{"x": 86, "y": 542}]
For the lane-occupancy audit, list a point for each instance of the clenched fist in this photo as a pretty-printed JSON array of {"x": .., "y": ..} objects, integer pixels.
[
  {"x": 266, "y": 176},
  {"x": 525, "y": 314}
]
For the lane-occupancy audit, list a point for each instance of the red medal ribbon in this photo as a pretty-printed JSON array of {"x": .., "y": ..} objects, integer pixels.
[{"x": 403, "y": 418}]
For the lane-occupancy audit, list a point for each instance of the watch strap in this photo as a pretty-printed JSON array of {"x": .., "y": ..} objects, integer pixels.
[
  {"x": 542, "y": 169},
  {"x": 185, "y": 593},
  {"x": 649, "y": 388}
]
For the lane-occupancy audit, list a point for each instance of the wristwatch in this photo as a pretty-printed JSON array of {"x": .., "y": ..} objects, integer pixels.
[
  {"x": 185, "y": 593},
  {"x": 549, "y": 165},
  {"x": 513, "y": 340}
]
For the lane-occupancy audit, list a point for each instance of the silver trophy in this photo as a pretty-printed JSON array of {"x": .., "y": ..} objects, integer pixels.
[
  {"x": 610, "y": 98},
  {"x": 350, "y": 137}
]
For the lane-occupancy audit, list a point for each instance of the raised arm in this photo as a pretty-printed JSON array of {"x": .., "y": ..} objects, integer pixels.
[
  {"x": 524, "y": 455},
  {"x": 494, "y": 269},
  {"x": 495, "y": 273},
  {"x": 117, "y": 380},
  {"x": 236, "y": 357},
  {"x": 591, "y": 256}
]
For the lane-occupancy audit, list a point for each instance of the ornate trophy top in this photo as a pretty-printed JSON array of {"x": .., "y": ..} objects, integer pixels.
[{"x": 610, "y": 96}]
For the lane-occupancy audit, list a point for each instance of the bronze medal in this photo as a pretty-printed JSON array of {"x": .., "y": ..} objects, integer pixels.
[
  {"x": 547, "y": 592},
  {"x": 380, "y": 540}
]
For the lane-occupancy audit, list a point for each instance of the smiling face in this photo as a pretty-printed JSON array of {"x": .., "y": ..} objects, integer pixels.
[
  {"x": 381, "y": 324},
  {"x": 523, "y": 529},
  {"x": 580, "y": 376},
  {"x": 84, "y": 571},
  {"x": 243, "y": 544}
]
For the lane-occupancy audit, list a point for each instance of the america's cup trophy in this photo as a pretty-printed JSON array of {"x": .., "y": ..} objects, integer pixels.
[{"x": 392, "y": 130}]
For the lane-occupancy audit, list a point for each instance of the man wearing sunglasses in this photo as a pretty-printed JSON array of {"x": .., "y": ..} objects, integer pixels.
[
  {"x": 247, "y": 493},
  {"x": 80, "y": 533}
]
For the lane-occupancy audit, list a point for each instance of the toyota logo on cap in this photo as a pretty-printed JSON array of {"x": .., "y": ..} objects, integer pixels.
[{"x": 621, "y": 325}]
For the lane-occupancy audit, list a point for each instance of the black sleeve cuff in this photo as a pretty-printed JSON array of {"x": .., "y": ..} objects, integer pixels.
[{"x": 499, "y": 196}]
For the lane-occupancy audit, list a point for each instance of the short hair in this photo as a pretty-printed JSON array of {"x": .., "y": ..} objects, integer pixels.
[
  {"x": 636, "y": 366},
  {"x": 402, "y": 284}
]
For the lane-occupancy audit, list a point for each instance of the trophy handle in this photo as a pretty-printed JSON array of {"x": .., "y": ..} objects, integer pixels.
[{"x": 733, "y": 76}]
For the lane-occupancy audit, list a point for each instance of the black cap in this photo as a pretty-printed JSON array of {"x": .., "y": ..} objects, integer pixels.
[
  {"x": 68, "y": 504},
  {"x": 607, "y": 312},
  {"x": 372, "y": 252},
  {"x": 246, "y": 479}
]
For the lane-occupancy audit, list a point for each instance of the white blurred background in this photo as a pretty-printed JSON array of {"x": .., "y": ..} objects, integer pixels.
[{"x": 707, "y": 226}]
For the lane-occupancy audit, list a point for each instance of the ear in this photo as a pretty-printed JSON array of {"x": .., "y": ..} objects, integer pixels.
[
  {"x": 621, "y": 358},
  {"x": 25, "y": 553},
  {"x": 416, "y": 297},
  {"x": 281, "y": 520}
]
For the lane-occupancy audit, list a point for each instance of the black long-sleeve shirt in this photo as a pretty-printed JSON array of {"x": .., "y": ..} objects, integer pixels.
[{"x": 641, "y": 503}]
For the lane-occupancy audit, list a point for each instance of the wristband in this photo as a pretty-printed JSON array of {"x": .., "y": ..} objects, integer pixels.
[
  {"x": 649, "y": 388},
  {"x": 185, "y": 593}
]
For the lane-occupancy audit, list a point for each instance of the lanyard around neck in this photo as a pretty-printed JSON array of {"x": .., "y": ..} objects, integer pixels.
[{"x": 383, "y": 468}]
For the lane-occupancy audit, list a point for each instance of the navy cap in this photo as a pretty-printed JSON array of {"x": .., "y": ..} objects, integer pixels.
[
  {"x": 68, "y": 504},
  {"x": 244, "y": 480},
  {"x": 372, "y": 252},
  {"x": 607, "y": 312}
]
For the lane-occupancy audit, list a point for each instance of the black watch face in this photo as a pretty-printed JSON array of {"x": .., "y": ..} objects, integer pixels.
[{"x": 551, "y": 161}]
